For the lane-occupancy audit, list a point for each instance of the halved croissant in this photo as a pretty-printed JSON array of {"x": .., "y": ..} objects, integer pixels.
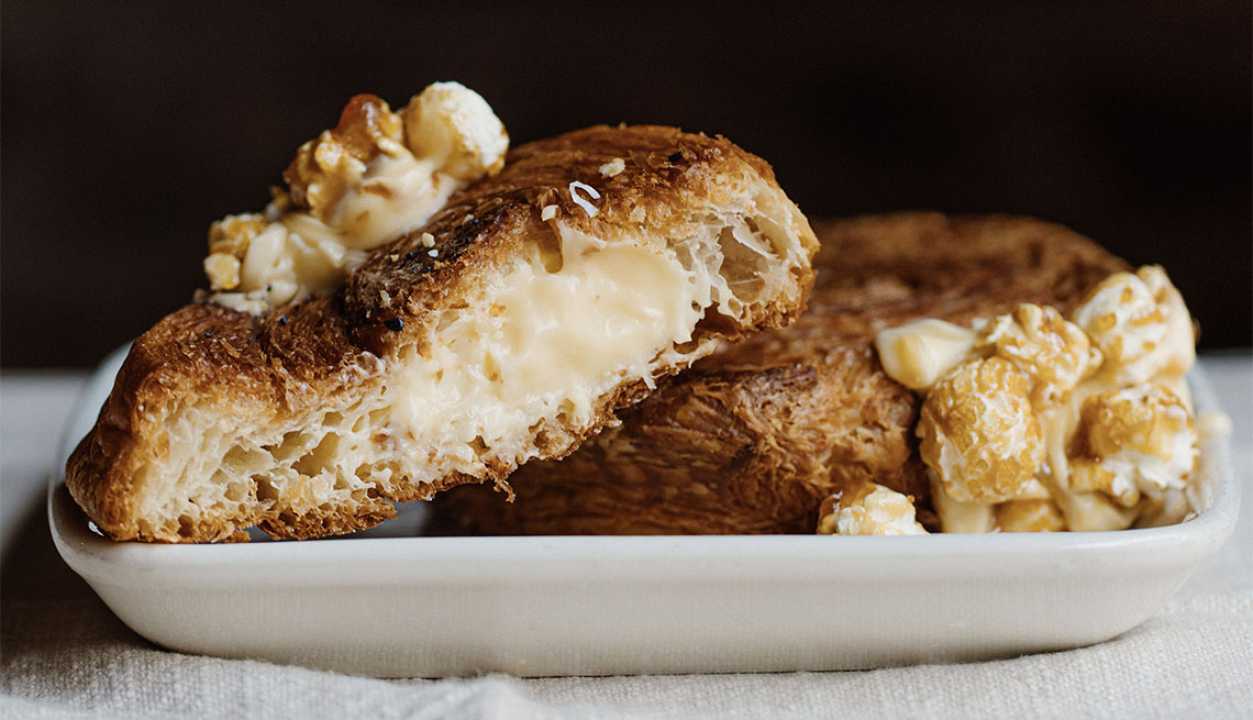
[{"x": 555, "y": 293}]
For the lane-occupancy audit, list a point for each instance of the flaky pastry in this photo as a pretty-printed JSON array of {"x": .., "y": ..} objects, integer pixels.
[{"x": 463, "y": 341}]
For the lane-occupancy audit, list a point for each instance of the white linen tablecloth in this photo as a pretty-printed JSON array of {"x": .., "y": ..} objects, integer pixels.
[{"x": 64, "y": 655}]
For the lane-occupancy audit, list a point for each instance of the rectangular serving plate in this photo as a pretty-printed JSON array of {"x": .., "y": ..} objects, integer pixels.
[{"x": 405, "y": 606}]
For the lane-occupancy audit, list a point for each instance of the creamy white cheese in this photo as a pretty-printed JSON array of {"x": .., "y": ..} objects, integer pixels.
[{"x": 548, "y": 342}]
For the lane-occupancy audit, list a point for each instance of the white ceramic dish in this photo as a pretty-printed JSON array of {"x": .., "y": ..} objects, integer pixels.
[{"x": 416, "y": 606}]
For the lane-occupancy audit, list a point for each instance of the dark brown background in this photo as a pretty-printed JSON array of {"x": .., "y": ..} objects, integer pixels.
[{"x": 127, "y": 128}]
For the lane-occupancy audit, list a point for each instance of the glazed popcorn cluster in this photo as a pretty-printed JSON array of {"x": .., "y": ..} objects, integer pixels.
[
  {"x": 869, "y": 509},
  {"x": 1032, "y": 421},
  {"x": 375, "y": 176}
]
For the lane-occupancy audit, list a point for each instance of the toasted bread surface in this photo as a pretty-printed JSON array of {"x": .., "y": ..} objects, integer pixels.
[
  {"x": 755, "y": 436},
  {"x": 220, "y": 420}
]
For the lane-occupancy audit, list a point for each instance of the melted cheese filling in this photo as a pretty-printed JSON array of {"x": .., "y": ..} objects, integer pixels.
[{"x": 546, "y": 343}]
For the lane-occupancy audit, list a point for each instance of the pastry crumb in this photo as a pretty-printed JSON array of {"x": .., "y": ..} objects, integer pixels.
[
  {"x": 869, "y": 509},
  {"x": 613, "y": 167}
]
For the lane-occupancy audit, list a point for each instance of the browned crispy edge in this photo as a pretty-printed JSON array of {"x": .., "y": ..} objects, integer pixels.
[
  {"x": 756, "y": 436},
  {"x": 289, "y": 362}
]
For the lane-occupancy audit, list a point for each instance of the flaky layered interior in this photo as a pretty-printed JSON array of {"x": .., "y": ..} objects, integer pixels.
[{"x": 518, "y": 370}]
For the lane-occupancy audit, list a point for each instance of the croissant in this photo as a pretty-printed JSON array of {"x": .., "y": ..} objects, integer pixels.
[{"x": 508, "y": 328}]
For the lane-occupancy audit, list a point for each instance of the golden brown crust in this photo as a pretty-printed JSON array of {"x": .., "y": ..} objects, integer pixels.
[
  {"x": 755, "y": 436},
  {"x": 288, "y": 363},
  {"x": 207, "y": 354},
  {"x": 667, "y": 174}
]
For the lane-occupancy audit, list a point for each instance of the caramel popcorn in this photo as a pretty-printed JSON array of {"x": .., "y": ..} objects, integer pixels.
[
  {"x": 328, "y": 167},
  {"x": 229, "y": 240},
  {"x": 1088, "y": 475},
  {"x": 1140, "y": 325},
  {"x": 1033, "y": 515},
  {"x": 1105, "y": 390},
  {"x": 375, "y": 176},
  {"x": 918, "y": 353},
  {"x": 869, "y": 509},
  {"x": 961, "y": 517},
  {"x": 232, "y": 234},
  {"x": 1167, "y": 508},
  {"x": 456, "y": 125},
  {"x": 1053, "y": 353},
  {"x": 1094, "y": 511},
  {"x": 1136, "y": 439},
  {"x": 222, "y": 270},
  {"x": 979, "y": 434}
]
